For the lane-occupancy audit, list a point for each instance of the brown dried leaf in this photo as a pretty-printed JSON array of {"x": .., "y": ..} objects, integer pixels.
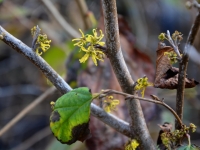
[
  {"x": 162, "y": 63},
  {"x": 166, "y": 75}
]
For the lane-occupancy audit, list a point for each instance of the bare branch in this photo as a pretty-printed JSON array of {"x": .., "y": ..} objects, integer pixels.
[
  {"x": 183, "y": 68},
  {"x": 158, "y": 101},
  {"x": 114, "y": 53},
  {"x": 174, "y": 45},
  {"x": 35, "y": 36},
  {"x": 58, "y": 81}
]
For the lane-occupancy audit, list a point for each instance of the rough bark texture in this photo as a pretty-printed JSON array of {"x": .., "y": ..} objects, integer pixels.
[
  {"x": 183, "y": 68},
  {"x": 138, "y": 125}
]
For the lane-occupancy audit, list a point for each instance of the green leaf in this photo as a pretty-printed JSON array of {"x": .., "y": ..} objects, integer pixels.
[{"x": 70, "y": 116}]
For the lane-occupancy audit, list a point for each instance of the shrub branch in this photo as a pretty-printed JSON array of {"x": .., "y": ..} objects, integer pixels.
[
  {"x": 138, "y": 126},
  {"x": 116, "y": 123},
  {"x": 183, "y": 68}
]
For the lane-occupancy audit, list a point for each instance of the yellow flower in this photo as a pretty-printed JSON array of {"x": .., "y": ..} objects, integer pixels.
[
  {"x": 52, "y": 104},
  {"x": 193, "y": 127},
  {"x": 132, "y": 145},
  {"x": 110, "y": 104},
  {"x": 95, "y": 40},
  {"x": 34, "y": 30},
  {"x": 162, "y": 37},
  {"x": 43, "y": 43},
  {"x": 177, "y": 36},
  {"x": 142, "y": 83},
  {"x": 81, "y": 40},
  {"x": 87, "y": 44},
  {"x": 91, "y": 52},
  {"x": 172, "y": 56}
]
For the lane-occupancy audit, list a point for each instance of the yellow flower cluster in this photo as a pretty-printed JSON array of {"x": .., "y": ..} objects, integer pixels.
[
  {"x": 110, "y": 104},
  {"x": 52, "y": 104},
  {"x": 132, "y": 145},
  {"x": 142, "y": 83},
  {"x": 177, "y": 36},
  {"x": 87, "y": 44},
  {"x": 169, "y": 138},
  {"x": 172, "y": 56},
  {"x": 162, "y": 37},
  {"x": 42, "y": 43}
]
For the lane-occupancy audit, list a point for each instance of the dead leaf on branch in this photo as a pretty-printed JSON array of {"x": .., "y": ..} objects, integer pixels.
[{"x": 166, "y": 74}]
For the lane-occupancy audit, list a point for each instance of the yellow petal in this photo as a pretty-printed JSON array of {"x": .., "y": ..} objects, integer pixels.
[
  {"x": 94, "y": 32},
  {"x": 99, "y": 58},
  {"x": 139, "y": 80},
  {"x": 89, "y": 39},
  {"x": 107, "y": 109},
  {"x": 84, "y": 58},
  {"x": 110, "y": 97},
  {"x": 98, "y": 51},
  {"x": 37, "y": 51},
  {"x": 45, "y": 47},
  {"x": 134, "y": 144},
  {"x": 77, "y": 39},
  {"x": 101, "y": 35},
  {"x": 142, "y": 93},
  {"x": 84, "y": 49},
  {"x": 94, "y": 59},
  {"x": 138, "y": 87},
  {"x": 78, "y": 44},
  {"x": 81, "y": 32},
  {"x": 101, "y": 43}
]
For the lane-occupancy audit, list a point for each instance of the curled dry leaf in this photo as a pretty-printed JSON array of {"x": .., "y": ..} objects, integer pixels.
[{"x": 166, "y": 74}]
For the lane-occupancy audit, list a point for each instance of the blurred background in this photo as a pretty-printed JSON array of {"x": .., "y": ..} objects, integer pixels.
[{"x": 21, "y": 83}]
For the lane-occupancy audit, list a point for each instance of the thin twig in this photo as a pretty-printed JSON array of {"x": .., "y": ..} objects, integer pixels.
[
  {"x": 114, "y": 53},
  {"x": 160, "y": 102},
  {"x": 63, "y": 23},
  {"x": 27, "y": 109},
  {"x": 35, "y": 36},
  {"x": 175, "y": 46},
  {"x": 58, "y": 81},
  {"x": 183, "y": 68}
]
